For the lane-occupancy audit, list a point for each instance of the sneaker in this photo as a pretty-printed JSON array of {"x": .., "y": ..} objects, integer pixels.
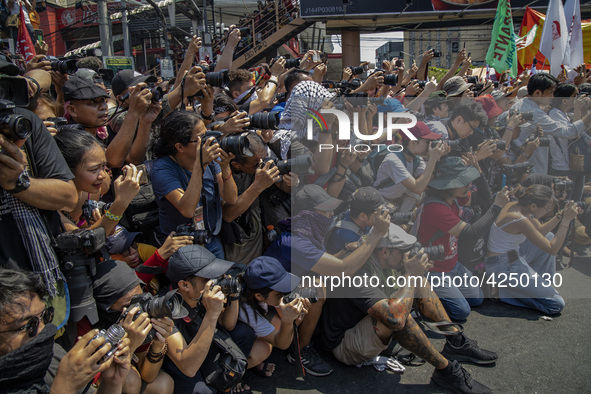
[
  {"x": 459, "y": 381},
  {"x": 312, "y": 362},
  {"x": 469, "y": 352}
]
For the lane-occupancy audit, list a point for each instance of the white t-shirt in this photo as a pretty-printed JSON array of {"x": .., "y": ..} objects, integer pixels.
[
  {"x": 393, "y": 168},
  {"x": 261, "y": 326}
]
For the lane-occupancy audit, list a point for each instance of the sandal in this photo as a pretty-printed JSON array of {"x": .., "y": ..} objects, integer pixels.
[
  {"x": 410, "y": 359},
  {"x": 243, "y": 391},
  {"x": 569, "y": 253},
  {"x": 264, "y": 370}
]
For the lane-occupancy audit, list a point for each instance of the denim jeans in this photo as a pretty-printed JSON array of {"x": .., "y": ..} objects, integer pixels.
[
  {"x": 457, "y": 300},
  {"x": 531, "y": 289}
]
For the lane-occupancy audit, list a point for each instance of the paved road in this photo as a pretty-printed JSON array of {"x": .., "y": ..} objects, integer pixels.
[{"x": 535, "y": 356}]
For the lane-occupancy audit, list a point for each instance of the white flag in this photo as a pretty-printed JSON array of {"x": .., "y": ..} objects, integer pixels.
[
  {"x": 554, "y": 41},
  {"x": 572, "y": 15}
]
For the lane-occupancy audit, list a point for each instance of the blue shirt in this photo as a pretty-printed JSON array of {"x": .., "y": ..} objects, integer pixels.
[{"x": 167, "y": 176}]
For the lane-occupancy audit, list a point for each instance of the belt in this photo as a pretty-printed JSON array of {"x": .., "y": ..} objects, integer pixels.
[{"x": 513, "y": 256}]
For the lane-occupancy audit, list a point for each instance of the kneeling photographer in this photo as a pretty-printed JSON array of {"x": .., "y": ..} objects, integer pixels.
[
  {"x": 189, "y": 182},
  {"x": 211, "y": 297},
  {"x": 147, "y": 320},
  {"x": 274, "y": 317}
]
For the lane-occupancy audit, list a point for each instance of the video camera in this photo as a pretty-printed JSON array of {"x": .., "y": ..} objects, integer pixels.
[{"x": 79, "y": 267}]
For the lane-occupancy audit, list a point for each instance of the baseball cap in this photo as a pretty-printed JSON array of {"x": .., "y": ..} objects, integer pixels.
[
  {"x": 89, "y": 75},
  {"x": 120, "y": 241},
  {"x": 127, "y": 78},
  {"x": 195, "y": 260},
  {"x": 266, "y": 271},
  {"x": 77, "y": 88},
  {"x": 366, "y": 199},
  {"x": 456, "y": 86},
  {"x": 397, "y": 238},
  {"x": 435, "y": 98},
  {"x": 421, "y": 130},
  {"x": 499, "y": 94},
  {"x": 391, "y": 105},
  {"x": 489, "y": 105},
  {"x": 315, "y": 197}
]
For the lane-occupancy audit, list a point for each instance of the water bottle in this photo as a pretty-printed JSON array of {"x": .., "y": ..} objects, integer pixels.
[{"x": 271, "y": 234}]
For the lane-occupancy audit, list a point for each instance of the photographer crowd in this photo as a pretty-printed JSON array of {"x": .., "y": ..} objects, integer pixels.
[{"x": 167, "y": 236}]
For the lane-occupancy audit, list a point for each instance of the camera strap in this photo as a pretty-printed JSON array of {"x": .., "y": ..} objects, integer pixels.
[{"x": 296, "y": 351}]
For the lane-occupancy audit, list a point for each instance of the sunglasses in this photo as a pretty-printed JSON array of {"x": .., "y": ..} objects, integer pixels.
[{"x": 32, "y": 325}]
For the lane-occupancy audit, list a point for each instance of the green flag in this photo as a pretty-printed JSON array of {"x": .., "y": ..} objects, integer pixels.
[{"x": 502, "y": 52}]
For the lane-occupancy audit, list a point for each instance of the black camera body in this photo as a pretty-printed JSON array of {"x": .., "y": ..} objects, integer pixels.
[
  {"x": 228, "y": 286},
  {"x": 64, "y": 66},
  {"x": 311, "y": 293},
  {"x": 391, "y": 79},
  {"x": 514, "y": 172},
  {"x": 528, "y": 116},
  {"x": 91, "y": 205},
  {"x": 157, "y": 92},
  {"x": 13, "y": 126},
  {"x": 352, "y": 84},
  {"x": 58, "y": 122},
  {"x": 14, "y": 90},
  {"x": 358, "y": 70},
  {"x": 79, "y": 268},
  {"x": 562, "y": 184},
  {"x": 500, "y": 144},
  {"x": 436, "y": 252},
  {"x": 200, "y": 237},
  {"x": 298, "y": 165},
  {"x": 436, "y": 53},
  {"x": 244, "y": 31},
  {"x": 169, "y": 305},
  {"x": 453, "y": 144},
  {"x": 292, "y": 63},
  {"x": 237, "y": 144},
  {"x": 400, "y": 218},
  {"x": 265, "y": 120},
  {"x": 472, "y": 79}
]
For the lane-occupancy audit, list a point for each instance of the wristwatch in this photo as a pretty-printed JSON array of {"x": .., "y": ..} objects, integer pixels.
[{"x": 22, "y": 183}]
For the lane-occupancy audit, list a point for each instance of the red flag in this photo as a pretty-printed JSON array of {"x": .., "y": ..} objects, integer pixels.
[{"x": 24, "y": 43}]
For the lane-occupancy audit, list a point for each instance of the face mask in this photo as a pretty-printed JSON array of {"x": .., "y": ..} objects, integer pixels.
[{"x": 25, "y": 367}]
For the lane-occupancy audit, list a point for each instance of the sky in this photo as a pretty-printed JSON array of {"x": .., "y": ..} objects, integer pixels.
[{"x": 369, "y": 43}]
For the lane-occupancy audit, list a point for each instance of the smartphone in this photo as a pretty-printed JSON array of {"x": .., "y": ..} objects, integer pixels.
[
  {"x": 144, "y": 177},
  {"x": 469, "y": 54},
  {"x": 316, "y": 57},
  {"x": 464, "y": 44},
  {"x": 503, "y": 181},
  {"x": 398, "y": 63},
  {"x": 38, "y": 33}
]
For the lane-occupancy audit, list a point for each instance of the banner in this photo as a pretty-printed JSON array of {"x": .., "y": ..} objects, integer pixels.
[
  {"x": 502, "y": 52},
  {"x": 535, "y": 20},
  {"x": 554, "y": 41},
  {"x": 25, "y": 45},
  {"x": 572, "y": 15}
]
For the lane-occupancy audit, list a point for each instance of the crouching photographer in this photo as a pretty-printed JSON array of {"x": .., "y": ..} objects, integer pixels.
[
  {"x": 211, "y": 328},
  {"x": 28, "y": 356},
  {"x": 146, "y": 319},
  {"x": 266, "y": 308}
]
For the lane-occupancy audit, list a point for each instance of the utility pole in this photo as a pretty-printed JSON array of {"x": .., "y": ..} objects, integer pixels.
[
  {"x": 126, "y": 44},
  {"x": 104, "y": 29}
]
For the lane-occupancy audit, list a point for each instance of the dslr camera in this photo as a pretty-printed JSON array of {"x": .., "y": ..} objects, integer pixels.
[
  {"x": 200, "y": 237},
  {"x": 64, "y": 66},
  {"x": 436, "y": 252},
  {"x": 544, "y": 141},
  {"x": 298, "y": 165},
  {"x": 168, "y": 305},
  {"x": 228, "y": 286},
  {"x": 500, "y": 144},
  {"x": 528, "y": 116},
  {"x": 13, "y": 126},
  {"x": 453, "y": 144},
  {"x": 311, "y": 293},
  {"x": 113, "y": 335},
  {"x": 264, "y": 120},
  {"x": 514, "y": 172},
  {"x": 91, "y": 205},
  {"x": 562, "y": 184}
]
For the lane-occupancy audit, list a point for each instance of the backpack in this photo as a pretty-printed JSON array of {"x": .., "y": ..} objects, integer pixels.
[
  {"x": 225, "y": 364},
  {"x": 389, "y": 181}
]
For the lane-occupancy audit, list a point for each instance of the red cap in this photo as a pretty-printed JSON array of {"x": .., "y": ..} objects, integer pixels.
[
  {"x": 489, "y": 105},
  {"x": 421, "y": 130}
]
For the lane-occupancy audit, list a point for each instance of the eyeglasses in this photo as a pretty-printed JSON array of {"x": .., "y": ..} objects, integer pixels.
[
  {"x": 33, "y": 323},
  {"x": 126, "y": 253}
]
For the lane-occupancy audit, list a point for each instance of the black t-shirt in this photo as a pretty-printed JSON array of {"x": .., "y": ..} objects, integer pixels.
[
  {"x": 346, "y": 307},
  {"x": 48, "y": 163}
]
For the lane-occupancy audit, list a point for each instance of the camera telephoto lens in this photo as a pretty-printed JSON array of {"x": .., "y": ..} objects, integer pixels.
[{"x": 15, "y": 127}]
